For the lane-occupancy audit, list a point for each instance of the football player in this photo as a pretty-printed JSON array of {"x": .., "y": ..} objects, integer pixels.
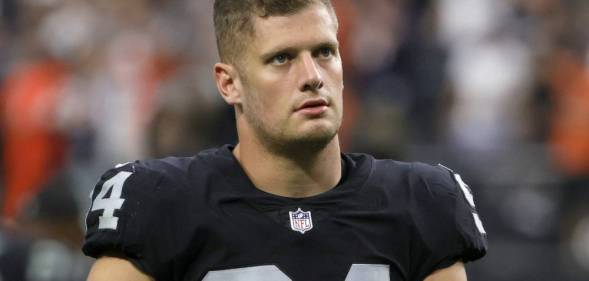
[{"x": 284, "y": 203}]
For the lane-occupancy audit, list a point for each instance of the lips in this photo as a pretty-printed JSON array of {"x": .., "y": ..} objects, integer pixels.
[
  {"x": 313, "y": 104},
  {"x": 313, "y": 108}
]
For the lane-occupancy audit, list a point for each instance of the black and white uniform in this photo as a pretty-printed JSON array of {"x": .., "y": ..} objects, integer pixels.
[{"x": 201, "y": 218}]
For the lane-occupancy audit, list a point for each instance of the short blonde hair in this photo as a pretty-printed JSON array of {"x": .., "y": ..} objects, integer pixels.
[{"x": 234, "y": 25}]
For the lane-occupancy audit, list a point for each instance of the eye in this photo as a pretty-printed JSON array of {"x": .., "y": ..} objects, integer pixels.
[
  {"x": 280, "y": 59},
  {"x": 325, "y": 52}
]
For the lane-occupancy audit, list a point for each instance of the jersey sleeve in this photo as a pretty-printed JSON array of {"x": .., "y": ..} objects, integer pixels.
[
  {"x": 448, "y": 226},
  {"x": 124, "y": 218}
]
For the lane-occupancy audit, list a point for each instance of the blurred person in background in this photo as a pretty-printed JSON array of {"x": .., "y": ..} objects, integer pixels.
[
  {"x": 568, "y": 135},
  {"x": 45, "y": 245},
  {"x": 34, "y": 147}
]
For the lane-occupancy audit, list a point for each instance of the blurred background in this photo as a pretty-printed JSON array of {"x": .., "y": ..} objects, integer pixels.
[{"x": 496, "y": 89}]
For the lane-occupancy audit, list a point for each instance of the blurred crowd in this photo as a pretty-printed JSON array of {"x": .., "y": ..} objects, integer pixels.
[{"x": 496, "y": 89}]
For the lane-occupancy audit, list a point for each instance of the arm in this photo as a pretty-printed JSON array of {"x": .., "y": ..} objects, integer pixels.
[
  {"x": 112, "y": 269},
  {"x": 455, "y": 272}
]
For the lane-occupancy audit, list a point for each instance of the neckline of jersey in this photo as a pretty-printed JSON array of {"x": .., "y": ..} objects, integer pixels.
[{"x": 358, "y": 168}]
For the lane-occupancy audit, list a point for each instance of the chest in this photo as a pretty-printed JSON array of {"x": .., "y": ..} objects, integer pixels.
[{"x": 242, "y": 242}]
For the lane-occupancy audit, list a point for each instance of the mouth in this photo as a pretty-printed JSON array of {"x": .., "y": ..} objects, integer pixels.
[
  {"x": 313, "y": 103},
  {"x": 313, "y": 107}
]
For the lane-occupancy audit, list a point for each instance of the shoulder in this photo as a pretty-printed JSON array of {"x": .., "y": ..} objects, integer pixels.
[
  {"x": 406, "y": 186},
  {"x": 145, "y": 210},
  {"x": 433, "y": 181},
  {"x": 177, "y": 171},
  {"x": 415, "y": 177},
  {"x": 124, "y": 203},
  {"x": 129, "y": 197},
  {"x": 415, "y": 171},
  {"x": 423, "y": 188},
  {"x": 154, "y": 181}
]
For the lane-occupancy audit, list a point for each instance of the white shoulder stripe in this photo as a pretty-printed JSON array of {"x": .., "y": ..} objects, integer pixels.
[
  {"x": 465, "y": 190},
  {"x": 479, "y": 223}
]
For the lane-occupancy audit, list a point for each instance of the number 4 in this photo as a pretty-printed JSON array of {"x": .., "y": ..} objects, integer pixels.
[{"x": 109, "y": 204}]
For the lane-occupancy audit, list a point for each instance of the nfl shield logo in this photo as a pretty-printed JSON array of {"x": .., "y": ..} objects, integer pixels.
[{"x": 301, "y": 221}]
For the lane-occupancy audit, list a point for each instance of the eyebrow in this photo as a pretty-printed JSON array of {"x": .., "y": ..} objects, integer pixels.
[{"x": 293, "y": 50}]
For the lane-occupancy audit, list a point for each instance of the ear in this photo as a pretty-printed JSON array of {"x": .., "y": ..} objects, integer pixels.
[{"x": 228, "y": 83}]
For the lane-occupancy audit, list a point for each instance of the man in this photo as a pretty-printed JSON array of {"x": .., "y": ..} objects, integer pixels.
[{"x": 284, "y": 203}]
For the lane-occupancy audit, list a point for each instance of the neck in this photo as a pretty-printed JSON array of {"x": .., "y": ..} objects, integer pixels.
[{"x": 304, "y": 173}]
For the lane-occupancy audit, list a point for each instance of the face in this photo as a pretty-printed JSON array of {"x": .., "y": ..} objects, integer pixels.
[{"x": 292, "y": 79}]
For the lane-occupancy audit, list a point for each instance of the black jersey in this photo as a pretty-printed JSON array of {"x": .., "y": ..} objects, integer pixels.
[{"x": 201, "y": 218}]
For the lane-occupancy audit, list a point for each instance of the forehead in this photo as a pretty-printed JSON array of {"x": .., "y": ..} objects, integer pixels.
[{"x": 312, "y": 25}]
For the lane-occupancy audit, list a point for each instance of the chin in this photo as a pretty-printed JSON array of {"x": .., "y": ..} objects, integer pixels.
[
  {"x": 316, "y": 138},
  {"x": 312, "y": 136}
]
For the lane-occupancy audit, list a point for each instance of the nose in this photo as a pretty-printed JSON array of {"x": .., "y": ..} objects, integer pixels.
[{"x": 312, "y": 79}]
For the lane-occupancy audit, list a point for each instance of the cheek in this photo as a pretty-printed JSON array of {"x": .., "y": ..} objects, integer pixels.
[
  {"x": 265, "y": 103},
  {"x": 274, "y": 94},
  {"x": 333, "y": 74},
  {"x": 338, "y": 73},
  {"x": 336, "y": 79}
]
